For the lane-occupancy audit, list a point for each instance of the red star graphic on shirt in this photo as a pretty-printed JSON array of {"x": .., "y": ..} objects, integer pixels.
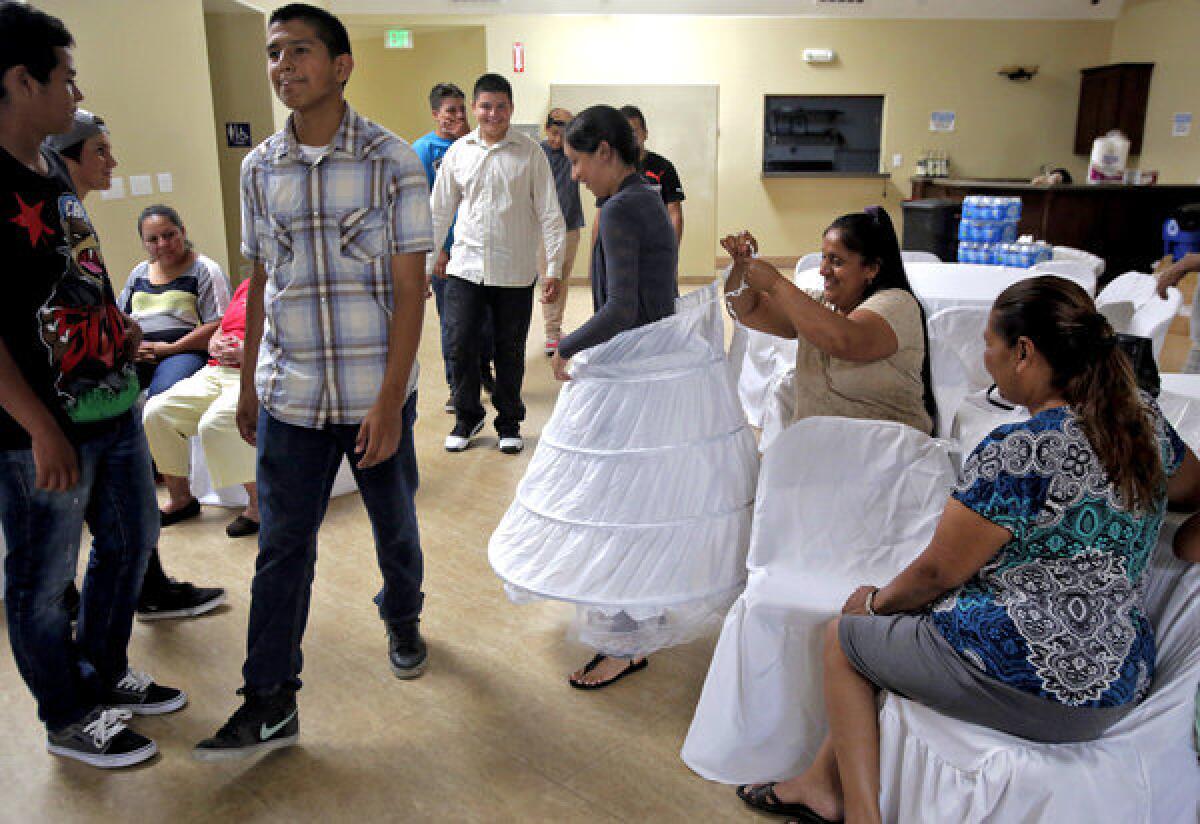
[{"x": 30, "y": 219}]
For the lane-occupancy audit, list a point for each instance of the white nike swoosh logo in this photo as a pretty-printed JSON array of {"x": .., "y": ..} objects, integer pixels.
[{"x": 267, "y": 731}]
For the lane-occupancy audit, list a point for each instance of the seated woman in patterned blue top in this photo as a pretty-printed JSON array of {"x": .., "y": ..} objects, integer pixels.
[{"x": 1024, "y": 613}]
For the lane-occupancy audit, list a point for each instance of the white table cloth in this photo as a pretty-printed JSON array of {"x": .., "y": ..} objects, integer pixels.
[{"x": 943, "y": 285}]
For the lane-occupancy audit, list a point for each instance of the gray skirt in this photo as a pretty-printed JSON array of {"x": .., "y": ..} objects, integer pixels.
[{"x": 906, "y": 654}]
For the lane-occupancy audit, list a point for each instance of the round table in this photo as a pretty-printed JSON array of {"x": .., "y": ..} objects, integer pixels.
[{"x": 942, "y": 285}]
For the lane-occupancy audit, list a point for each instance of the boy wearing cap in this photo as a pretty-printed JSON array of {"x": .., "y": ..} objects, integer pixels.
[
  {"x": 72, "y": 449},
  {"x": 90, "y": 163},
  {"x": 572, "y": 212}
]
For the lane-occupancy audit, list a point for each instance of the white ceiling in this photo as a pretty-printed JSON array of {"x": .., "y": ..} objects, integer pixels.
[{"x": 894, "y": 9}]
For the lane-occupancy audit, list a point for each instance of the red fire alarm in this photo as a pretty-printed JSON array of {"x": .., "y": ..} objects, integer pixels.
[{"x": 518, "y": 57}]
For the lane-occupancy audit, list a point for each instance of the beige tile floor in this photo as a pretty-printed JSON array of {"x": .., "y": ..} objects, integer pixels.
[{"x": 491, "y": 732}]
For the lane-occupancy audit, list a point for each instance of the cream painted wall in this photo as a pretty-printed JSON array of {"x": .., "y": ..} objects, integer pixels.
[
  {"x": 391, "y": 86},
  {"x": 1005, "y": 129},
  {"x": 155, "y": 96},
  {"x": 241, "y": 93},
  {"x": 1166, "y": 33}
]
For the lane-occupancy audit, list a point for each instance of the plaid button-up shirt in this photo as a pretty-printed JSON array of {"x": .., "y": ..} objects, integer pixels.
[{"x": 325, "y": 232}]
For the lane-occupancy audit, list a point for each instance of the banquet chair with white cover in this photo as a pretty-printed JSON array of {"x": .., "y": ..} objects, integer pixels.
[
  {"x": 1142, "y": 771},
  {"x": 1071, "y": 253},
  {"x": 235, "y": 496},
  {"x": 840, "y": 503},
  {"x": 1077, "y": 270},
  {"x": 956, "y": 359},
  {"x": 810, "y": 261},
  {"x": 918, "y": 256},
  {"x": 1152, "y": 315},
  {"x": 757, "y": 357}
]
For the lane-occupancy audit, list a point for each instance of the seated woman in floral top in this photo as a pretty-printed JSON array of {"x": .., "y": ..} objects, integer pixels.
[{"x": 1024, "y": 613}]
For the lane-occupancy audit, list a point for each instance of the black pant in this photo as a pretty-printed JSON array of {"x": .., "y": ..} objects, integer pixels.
[{"x": 511, "y": 307}]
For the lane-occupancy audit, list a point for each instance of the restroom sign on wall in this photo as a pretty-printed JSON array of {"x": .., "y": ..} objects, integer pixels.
[{"x": 518, "y": 57}]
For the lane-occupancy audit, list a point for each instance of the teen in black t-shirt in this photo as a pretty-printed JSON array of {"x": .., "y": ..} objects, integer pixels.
[
  {"x": 659, "y": 174},
  {"x": 59, "y": 318},
  {"x": 72, "y": 450}
]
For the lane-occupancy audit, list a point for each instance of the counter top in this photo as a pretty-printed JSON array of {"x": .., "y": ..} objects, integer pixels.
[{"x": 1026, "y": 186}]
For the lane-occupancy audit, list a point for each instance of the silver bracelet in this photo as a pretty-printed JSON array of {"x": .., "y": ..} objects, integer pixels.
[{"x": 871, "y": 601}]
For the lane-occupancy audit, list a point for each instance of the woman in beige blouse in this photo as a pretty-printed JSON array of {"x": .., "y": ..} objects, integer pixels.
[{"x": 863, "y": 351}]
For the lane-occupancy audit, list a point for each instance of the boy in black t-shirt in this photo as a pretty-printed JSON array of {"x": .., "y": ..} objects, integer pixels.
[
  {"x": 658, "y": 172},
  {"x": 71, "y": 442}
]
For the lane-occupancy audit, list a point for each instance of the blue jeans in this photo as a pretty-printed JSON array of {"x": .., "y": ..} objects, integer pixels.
[
  {"x": 296, "y": 469},
  {"x": 487, "y": 346},
  {"x": 115, "y": 498},
  {"x": 161, "y": 376}
]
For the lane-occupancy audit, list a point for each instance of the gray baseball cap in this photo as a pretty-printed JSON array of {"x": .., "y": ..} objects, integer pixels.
[{"x": 85, "y": 125}]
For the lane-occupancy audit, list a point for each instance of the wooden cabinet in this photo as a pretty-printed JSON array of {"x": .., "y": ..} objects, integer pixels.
[{"x": 1113, "y": 97}]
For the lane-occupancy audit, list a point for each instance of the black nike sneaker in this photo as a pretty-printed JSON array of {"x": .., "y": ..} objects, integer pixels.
[{"x": 260, "y": 724}]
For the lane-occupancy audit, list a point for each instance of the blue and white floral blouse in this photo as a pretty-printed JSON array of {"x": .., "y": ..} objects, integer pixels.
[{"x": 1058, "y": 611}]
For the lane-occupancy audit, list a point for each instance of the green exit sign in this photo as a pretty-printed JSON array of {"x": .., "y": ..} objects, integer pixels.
[{"x": 398, "y": 39}]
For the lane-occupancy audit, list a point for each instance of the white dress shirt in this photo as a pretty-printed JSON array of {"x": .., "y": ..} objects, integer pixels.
[{"x": 506, "y": 204}]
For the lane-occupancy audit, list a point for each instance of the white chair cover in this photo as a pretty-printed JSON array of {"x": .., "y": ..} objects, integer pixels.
[
  {"x": 1152, "y": 315},
  {"x": 810, "y": 261},
  {"x": 637, "y": 503},
  {"x": 917, "y": 256},
  {"x": 1079, "y": 271},
  {"x": 956, "y": 359},
  {"x": 1143, "y": 770},
  {"x": 1069, "y": 253},
  {"x": 757, "y": 358},
  {"x": 235, "y": 496},
  {"x": 779, "y": 408},
  {"x": 840, "y": 503}
]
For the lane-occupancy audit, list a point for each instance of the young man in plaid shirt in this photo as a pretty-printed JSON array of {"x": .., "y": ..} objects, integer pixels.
[{"x": 335, "y": 218}]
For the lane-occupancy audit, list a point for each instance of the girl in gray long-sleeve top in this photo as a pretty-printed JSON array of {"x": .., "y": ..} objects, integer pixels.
[{"x": 635, "y": 257}]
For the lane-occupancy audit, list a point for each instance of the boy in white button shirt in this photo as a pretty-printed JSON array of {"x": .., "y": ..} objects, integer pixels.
[{"x": 499, "y": 183}]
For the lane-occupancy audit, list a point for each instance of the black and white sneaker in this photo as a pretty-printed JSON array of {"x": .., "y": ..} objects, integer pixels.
[
  {"x": 460, "y": 437},
  {"x": 178, "y": 600},
  {"x": 137, "y": 693},
  {"x": 511, "y": 444},
  {"x": 101, "y": 739},
  {"x": 407, "y": 652},
  {"x": 259, "y": 725}
]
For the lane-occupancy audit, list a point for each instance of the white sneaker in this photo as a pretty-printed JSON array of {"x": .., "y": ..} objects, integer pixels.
[
  {"x": 511, "y": 445},
  {"x": 460, "y": 437}
]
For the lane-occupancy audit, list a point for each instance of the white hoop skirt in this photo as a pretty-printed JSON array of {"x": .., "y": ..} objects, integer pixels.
[{"x": 637, "y": 504}]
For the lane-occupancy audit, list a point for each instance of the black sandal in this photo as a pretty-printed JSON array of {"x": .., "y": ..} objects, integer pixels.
[
  {"x": 591, "y": 665},
  {"x": 189, "y": 510},
  {"x": 763, "y": 798}
]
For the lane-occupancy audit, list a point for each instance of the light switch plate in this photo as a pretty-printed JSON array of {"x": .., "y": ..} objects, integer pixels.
[
  {"x": 897, "y": 161},
  {"x": 140, "y": 185},
  {"x": 116, "y": 191},
  {"x": 166, "y": 183}
]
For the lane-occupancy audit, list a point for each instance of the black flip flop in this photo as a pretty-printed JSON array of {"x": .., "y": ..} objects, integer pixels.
[
  {"x": 241, "y": 526},
  {"x": 189, "y": 510},
  {"x": 591, "y": 665},
  {"x": 763, "y": 798}
]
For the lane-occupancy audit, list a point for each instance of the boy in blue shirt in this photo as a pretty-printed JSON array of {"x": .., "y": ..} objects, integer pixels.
[{"x": 448, "y": 105}]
